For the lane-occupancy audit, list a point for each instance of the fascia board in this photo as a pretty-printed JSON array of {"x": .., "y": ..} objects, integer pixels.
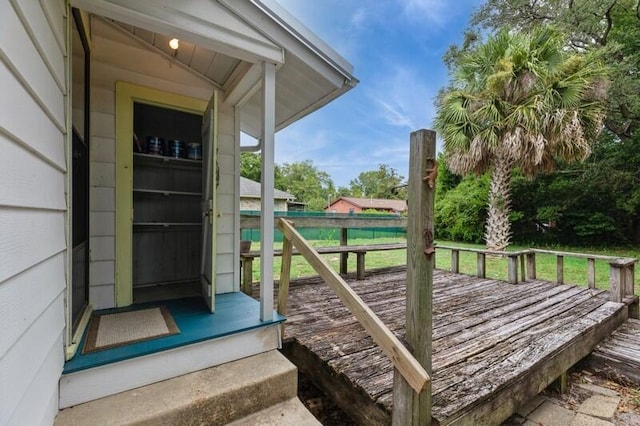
[{"x": 281, "y": 33}]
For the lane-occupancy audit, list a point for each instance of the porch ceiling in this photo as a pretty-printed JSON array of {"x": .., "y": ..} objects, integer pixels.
[
  {"x": 226, "y": 41},
  {"x": 215, "y": 66}
]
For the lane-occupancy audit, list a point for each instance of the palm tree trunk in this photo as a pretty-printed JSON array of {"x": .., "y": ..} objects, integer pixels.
[{"x": 498, "y": 227}]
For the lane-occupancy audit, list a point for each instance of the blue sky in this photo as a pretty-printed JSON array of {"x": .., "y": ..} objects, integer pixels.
[{"x": 396, "y": 48}]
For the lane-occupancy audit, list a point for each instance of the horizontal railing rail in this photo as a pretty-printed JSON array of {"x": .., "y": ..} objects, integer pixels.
[
  {"x": 400, "y": 356},
  {"x": 621, "y": 269}
]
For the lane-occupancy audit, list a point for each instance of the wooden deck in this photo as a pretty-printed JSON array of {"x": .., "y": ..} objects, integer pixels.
[
  {"x": 495, "y": 344},
  {"x": 618, "y": 357}
]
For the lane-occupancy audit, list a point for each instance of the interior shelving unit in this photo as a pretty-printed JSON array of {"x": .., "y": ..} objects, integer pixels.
[{"x": 167, "y": 214}]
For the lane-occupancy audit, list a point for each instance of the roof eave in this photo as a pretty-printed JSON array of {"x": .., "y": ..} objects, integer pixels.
[{"x": 304, "y": 35}]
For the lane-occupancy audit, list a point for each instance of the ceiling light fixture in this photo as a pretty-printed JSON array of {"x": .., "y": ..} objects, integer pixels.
[{"x": 174, "y": 43}]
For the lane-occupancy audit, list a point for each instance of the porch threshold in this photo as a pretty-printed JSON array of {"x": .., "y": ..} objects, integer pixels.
[{"x": 234, "y": 313}]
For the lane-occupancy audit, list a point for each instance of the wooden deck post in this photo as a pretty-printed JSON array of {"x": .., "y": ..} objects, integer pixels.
[
  {"x": 285, "y": 274},
  {"x": 512, "y": 271},
  {"x": 560, "y": 269},
  {"x": 455, "y": 261},
  {"x": 409, "y": 407},
  {"x": 531, "y": 265},
  {"x": 523, "y": 271},
  {"x": 360, "y": 265},
  {"x": 616, "y": 281},
  {"x": 247, "y": 275},
  {"x": 629, "y": 278},
  {"x": 344, "y": 257},
  {"x": 591, "y": 272},
  {"x": 481, "y": 264}
]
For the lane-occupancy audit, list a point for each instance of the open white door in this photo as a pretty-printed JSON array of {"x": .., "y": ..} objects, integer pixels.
[{"x": 209, "y": 202}]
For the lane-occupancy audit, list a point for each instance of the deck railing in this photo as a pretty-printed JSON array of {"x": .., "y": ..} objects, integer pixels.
[
  {"x": 399, "y": 355},
  {"x": 621, "y": 270}
]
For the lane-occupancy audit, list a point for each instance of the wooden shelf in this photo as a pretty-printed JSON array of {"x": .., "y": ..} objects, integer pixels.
[
  {"x": 167, "y": 193},
  {"x": 166, "y": 224},
  {"x": 160, "y": 160}
]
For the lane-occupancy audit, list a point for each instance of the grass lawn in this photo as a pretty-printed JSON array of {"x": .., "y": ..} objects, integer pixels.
[{"x": 575, "y": 270}]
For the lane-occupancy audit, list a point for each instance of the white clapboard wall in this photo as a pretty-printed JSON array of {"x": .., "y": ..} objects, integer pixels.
[{"x": 32, "y": 208}]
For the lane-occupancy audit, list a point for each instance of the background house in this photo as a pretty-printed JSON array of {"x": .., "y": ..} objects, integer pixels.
[
  {"x": 358, "y": 205},
  {"x": 250, "y": 197}
]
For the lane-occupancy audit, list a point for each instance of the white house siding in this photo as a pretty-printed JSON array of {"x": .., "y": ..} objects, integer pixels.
[
  {"x": 32, "y": 208},
  {"x": 118, "y": 56},
  {"x": 227, "y": 268},
  {"x": 256, "y": 204}
]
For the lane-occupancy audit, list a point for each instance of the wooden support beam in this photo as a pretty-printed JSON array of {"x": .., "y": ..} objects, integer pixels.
[
  {"x": 409, "y": 407},
  {"x": 344, "y": 257},
  {"x": 481, "y": 265},
  {"x": 591, "y": 272},
  {"x": 523, "y": 270},
  {"x": 560, "y": 269},
  {"x": 531, "y": 265},
  {"x": 561, "y": 384},
  {"x": 455, "y": 261}
]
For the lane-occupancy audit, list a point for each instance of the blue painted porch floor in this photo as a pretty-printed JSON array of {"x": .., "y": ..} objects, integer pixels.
[{"x": 234, "y": 313}]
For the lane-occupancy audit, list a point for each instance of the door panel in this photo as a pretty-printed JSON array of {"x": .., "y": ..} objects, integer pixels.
[{"x": 209, "y": 202}]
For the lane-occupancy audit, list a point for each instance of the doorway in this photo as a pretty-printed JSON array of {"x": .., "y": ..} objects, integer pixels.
[
  {"x": 167, "y": 191},
  {"x": 163, "y": 196}
]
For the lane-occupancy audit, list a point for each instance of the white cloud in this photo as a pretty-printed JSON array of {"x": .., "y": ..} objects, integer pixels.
[
  {"x": 404, "y": 97},
  {"x": 359, "y": 18},
  {"x": 300, "y": 142},
  {"x": 431, "y": 11}
]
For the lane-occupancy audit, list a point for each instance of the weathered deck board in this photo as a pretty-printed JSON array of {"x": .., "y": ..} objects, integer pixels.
[
  {"x": 618, "y": 357},
  {"x": 490, "y": 338}
]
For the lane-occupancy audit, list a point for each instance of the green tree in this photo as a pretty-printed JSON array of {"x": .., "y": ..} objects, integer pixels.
[
  {"x": 611, "y": 27},
  {"x": 385, "y": 183},
  {"x": 307, "y": 183},
  {"x": 518, "y": 100},
  {"x": 460, "y": 212},
  {"x": 250, "y": 166},
  {"x": 594, "y": 203}
]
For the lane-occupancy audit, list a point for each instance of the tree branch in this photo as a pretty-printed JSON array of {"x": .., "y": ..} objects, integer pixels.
[{"x": 607, "y": 15}]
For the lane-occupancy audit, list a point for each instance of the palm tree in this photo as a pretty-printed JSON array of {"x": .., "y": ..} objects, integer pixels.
[{"x": 519, "y": 100}]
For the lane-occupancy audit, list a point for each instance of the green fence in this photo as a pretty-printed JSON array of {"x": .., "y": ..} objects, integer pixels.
[{"x": 327, "y": 233}]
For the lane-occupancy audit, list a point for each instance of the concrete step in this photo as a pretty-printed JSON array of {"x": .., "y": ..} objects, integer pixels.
[
  {"x": 213, "y": 396},
  {"x": 288, "y": 413}
]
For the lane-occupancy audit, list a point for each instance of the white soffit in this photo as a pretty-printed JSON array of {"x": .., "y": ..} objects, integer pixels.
[
  {"x": 202, "y": 22},
  {"x": 226, "y": 40}
]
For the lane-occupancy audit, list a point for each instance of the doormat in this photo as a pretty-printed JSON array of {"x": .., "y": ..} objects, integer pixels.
[{"x": 112, "y": 330}]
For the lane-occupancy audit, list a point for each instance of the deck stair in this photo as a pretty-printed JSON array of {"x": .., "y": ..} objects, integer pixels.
[
  {"x": 258, "y": 390},
  {"x": 618, "y": 356}
]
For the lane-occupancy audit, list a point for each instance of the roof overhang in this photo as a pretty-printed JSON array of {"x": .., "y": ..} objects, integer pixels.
[{"x": 310, "y": 74}]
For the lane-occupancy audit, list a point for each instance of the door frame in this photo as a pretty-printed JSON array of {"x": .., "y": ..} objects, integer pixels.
[
  {"x": 75, "y": 326},
  {"x": 126, "y": 95}
]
